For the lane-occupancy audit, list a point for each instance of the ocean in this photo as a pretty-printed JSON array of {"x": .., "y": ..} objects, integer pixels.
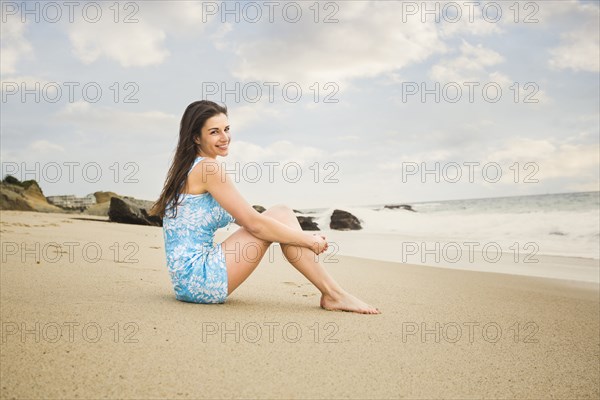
[{"x": 566, "y": 224}]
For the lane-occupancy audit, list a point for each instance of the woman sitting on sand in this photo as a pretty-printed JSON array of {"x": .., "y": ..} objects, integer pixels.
[{"x": 202, "y": 272}]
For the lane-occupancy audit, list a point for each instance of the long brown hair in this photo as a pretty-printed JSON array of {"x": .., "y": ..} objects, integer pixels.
[{"x": 193, "y": 120}]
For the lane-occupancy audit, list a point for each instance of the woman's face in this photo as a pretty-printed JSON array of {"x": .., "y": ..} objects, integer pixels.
[{"x": 214, "y": 138}]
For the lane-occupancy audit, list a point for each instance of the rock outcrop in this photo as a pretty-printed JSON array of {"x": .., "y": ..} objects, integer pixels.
[
  {"x": 128, "y": 212},
  {"x": 24, "y": 196},
  {"x": 260, "y": 209},
  {"x": 12, "y": 199},
  {"x": 104, "y": 197},
  {"x": 407, "y": 207},
  {"x": 344, "y": 221},
  {"x": 307, "y": 223}
]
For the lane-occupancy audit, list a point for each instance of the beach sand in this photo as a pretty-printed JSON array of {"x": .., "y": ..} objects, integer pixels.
[{"x": 124, "y": 335}]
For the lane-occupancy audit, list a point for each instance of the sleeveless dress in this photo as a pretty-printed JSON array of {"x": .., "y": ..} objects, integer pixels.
[{"x": 196, "y": 265}]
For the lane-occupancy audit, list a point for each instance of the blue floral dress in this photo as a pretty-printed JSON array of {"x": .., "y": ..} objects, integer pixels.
[{"x": 196, "y": 265}]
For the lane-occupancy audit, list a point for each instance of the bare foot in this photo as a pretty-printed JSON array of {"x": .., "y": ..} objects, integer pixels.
[{"x": 346, "y": 302}]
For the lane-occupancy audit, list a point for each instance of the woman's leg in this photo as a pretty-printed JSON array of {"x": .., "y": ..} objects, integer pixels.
[
  {"x": 333, "y": 297},
  {"x": 244, "y": 251}
]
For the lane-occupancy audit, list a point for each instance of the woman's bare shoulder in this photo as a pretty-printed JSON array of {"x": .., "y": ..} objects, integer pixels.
[{"x": 196, "y": 180}]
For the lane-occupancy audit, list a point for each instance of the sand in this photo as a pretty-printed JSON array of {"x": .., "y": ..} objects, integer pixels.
[{"x": 107, "y": 325}]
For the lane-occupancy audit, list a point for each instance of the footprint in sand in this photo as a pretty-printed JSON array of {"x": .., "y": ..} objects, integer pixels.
[
  {"x": 297, "y": 284},
  {"x": 306, "y": 293}
]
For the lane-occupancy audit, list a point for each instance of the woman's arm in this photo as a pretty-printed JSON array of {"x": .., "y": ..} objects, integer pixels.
[{"x": 217, "y": 183}]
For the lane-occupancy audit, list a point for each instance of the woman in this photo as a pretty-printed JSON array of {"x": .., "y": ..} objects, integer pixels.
[{"x": 198, "y": 198}]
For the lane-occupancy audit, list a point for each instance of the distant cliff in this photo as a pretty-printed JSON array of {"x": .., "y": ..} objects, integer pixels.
[
  {"x": 24, "y": 196},
  {"x": 28, "y": 196}
]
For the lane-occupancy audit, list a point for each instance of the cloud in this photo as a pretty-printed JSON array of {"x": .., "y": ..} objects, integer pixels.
[
  {"x": 218, "y": 37},
  {"x": 552, "y": 12},
  {"x": 429, "y": 158},
  {"x": 469, "y": 66},
  {"x": 282, "y": 151},
  {"x": 345, "y": 154},
  {"x": 243, "y": 117},
  {"x": 355, "y": 47},
  {"x": 29, "y": 82},
  {"x": 140, "y": 43},
  {"x": 470, "y": 20},
  {"x": 554, "y": 159},
  {"x": 45, "y": 147},
  {"x": 135, "y": 45},
  {"x": 13, "y": 44},
  {"x": 538, "y": 159},
  {"x": 112, "y": 121},
  {"x": 579, "y": 50},
  {"x": 348, "y": 138},
  {"x": 34, "y": 152}
]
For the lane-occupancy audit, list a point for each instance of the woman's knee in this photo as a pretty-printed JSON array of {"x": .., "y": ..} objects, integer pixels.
[
  {"x": 277, "y": 211},
  {"x": 282, "y": 209},
  {"x": 284, "y": 214}
]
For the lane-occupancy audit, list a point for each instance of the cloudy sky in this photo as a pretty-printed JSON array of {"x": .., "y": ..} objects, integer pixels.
[{"x": 330, "y": 103}]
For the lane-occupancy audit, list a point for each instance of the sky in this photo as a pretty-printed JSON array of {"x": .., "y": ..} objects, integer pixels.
[{"x": 330, "y": 103}]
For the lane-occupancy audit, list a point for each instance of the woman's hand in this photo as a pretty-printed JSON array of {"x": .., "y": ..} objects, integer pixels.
[{"x": 317, "y": 243}]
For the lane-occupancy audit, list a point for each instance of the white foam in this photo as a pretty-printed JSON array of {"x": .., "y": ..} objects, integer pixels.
[{"x": 563, "y": 233}]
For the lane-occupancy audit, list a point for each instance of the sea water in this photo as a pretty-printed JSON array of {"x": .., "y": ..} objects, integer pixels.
[
  {"x": 565, "y": 224},
  {"x": 537, "y": 235}
]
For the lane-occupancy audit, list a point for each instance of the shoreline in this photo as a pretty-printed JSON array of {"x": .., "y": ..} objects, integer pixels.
[{"x": 384, "y": 247}]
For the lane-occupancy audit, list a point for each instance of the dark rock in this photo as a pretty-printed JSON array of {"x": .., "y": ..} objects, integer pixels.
[
  {"x": 126, "y": 212},
  {"x": 260, "y": 209},
  {"x": 154, "y": 219},
  {"x": 344, "y": 221},
  {"x": 307, "y": 223},
  {"x": 402, "y": 206},
  {"x": 297, "y": 212}
]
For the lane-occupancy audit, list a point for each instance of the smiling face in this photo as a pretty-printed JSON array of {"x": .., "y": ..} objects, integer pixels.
[{"x": 214, "y": 138}]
